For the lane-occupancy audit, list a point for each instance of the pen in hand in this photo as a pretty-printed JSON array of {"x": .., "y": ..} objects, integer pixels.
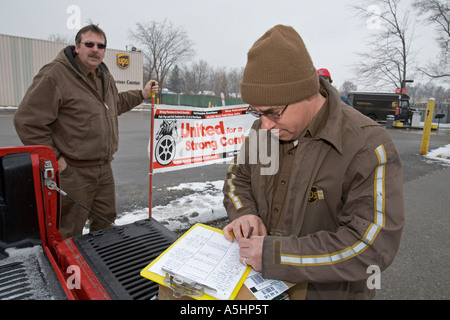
[{"x": 250, "y": 232}]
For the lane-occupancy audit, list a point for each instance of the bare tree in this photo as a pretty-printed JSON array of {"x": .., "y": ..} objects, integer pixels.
[
  {"x": 347, "y": 87},
  {"x": 163, "y": 46},
  {"x": 220, "y": 82},
  {"x": 420, "y": 93},
  {"x": 389, "y": 55},
  {"x": 234, "y": 81},
  {"x": 197, "y": 77},
  {"x": 437, "y": 13},
  {"x": 57, "y": 37}
]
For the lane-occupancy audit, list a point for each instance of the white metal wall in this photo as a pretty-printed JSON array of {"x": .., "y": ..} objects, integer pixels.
[{"x": 22, "y": 58}]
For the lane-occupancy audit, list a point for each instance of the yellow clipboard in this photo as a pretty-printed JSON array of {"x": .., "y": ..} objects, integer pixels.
[{"x": 164, "y": 280}]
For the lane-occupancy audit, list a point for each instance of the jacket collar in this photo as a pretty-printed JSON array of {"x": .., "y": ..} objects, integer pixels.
[
  {"x": 329, "y": 127},
  {"x": 332, "y": 130}
]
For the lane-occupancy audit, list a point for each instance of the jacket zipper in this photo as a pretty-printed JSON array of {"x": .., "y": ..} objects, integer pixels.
[{"x": 107, "y": 119}]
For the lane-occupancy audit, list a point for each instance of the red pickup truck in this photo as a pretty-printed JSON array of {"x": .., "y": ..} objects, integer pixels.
[{"x": 36, "y": 263}]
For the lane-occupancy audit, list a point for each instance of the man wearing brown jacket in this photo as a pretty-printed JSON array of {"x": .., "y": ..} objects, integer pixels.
[
  {"x": 72, "y": 106},
  {"x": 333, "y": 211}
]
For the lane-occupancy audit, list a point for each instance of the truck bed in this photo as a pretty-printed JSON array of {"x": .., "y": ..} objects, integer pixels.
[
  {"x": 26, "y": 274},
  {"x": 37, "y": 264},
  {"x": 118, "y": 255}
]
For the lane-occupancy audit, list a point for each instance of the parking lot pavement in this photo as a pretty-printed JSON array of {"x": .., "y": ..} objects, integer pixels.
[{"x": 420, "y": 270}]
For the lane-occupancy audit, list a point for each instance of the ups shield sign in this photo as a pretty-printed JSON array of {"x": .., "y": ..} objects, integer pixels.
[{"x": 123, "y": 61}]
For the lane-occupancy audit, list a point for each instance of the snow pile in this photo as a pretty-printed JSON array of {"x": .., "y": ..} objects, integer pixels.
[
  {"x": 441, "y": 154},
  {"x": 203, "y": 205}
]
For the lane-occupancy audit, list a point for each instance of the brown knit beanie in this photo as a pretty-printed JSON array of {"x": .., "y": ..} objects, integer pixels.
[{"x": 279, "y": 70}]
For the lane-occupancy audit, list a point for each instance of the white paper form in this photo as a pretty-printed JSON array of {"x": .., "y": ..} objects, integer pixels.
[{"x": 205, "y": 256}]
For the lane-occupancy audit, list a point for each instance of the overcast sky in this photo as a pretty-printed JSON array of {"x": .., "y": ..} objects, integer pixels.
[{"x": 222, "y": 30}]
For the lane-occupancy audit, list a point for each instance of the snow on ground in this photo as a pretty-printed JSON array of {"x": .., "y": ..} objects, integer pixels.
[
  {"x": 440, "y": 154},
  {"x": 202, "y": 206}
]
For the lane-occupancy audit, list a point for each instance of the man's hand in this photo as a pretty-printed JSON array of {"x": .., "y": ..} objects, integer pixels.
[
  {"x": 241, "y": 227},
  {"x": 151, "y": 86},
  {"x": 62, "y": 165},
  {"x": 250, "y": 251},
  {"x": 250, "y": 240}
]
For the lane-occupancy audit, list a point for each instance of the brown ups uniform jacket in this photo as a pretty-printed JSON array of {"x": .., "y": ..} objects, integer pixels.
[
  {"x": 333, "y": 209},
  {"x": 61, "y": 109}
]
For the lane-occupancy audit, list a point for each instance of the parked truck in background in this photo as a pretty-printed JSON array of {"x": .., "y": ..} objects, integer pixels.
[{"x": 378, "y": 106}]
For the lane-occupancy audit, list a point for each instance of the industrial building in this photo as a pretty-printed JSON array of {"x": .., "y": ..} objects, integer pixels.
[{"x": 22, "y": 58}]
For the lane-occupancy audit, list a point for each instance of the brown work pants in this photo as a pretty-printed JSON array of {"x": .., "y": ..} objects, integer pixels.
[{"x": 93, "y": 186}]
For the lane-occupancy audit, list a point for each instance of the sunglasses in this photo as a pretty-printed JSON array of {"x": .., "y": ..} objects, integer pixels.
[
  {"x": 274, "y": 116},
  {"x": 100, "y": 46}
]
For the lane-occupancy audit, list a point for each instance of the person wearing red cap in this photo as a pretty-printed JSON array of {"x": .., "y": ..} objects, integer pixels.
[{"x": 325, "y": 74}]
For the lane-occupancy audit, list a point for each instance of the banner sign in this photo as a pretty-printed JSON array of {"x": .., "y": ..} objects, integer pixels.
[{"x": 187, "y": 137}]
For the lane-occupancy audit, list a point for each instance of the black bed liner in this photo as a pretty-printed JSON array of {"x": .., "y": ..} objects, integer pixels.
[{"x": 118, "y": 255}]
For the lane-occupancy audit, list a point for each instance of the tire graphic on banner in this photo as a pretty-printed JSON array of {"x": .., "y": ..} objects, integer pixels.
[
  {"x": 166, "y": 146},
  {"x": 165, "y": 150}
]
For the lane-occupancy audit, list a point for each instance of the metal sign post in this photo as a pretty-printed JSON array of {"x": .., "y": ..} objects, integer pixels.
[{"x": 150, "y": 196}]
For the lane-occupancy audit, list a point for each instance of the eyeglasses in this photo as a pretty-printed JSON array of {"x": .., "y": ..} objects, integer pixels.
[
  {"x": 274, "y": 116},
  {"x": 100, "y": 46}
]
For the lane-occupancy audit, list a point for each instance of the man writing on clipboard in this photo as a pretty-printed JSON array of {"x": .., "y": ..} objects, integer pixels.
[{"x": 334, "y": 208}]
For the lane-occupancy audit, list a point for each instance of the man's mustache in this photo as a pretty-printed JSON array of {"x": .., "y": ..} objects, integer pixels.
[{"x": 94, "y": 55}]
